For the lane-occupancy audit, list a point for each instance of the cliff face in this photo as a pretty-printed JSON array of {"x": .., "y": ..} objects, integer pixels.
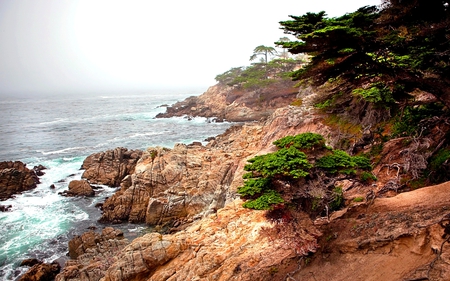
[
  {"x": 398, "y": 238},
  {"x": 234, "y": 104},
  {"x": 172, "y": 185}
]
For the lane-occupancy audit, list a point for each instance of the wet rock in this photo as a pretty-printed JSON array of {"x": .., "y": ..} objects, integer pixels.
[
  {"x": 38, "y": 170},
  {"x": 110, "y": 167},
  {"x": 41, "y": 272},
  {"x": 5, "y": 208},
  {"x": 79, "y": 188},
  {"x": 15, "y": 177},
  {"x": 30, "y": 262}
]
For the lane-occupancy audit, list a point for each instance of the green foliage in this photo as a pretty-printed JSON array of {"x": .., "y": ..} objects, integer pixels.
[
  {"x": 263, "y": 50},
  {"x": 378, "y": 93},
  {"x": 325, "y": 104},
  {"x": 340, "y": 161},
  {"x": 259, "y": 74},
  {"x": 407, "y": 123},
  {"x": 265, "y": 201},
  {"x": 402, "y": 45},
  {"x": 301, "y": 141},
  {"x": 438, "y": 170},
  {"x": 253, "y": 187},
  {"x": 358, "y": 199},
  {"x": 289, "y": 163},
  {"x": 366, "y": 177},
  {"x": 337, "y": 199},
  {"x": 438, "y": 160},
  {"x": 284, "y": 162}
]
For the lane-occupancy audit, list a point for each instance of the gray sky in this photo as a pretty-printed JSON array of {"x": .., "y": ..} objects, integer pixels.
[{"x": 69, "y": 46}]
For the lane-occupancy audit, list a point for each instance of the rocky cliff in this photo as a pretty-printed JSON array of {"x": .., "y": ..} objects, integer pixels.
[
  {"x": 380, "y": 234},
  {"x": 235, "y": 104}
]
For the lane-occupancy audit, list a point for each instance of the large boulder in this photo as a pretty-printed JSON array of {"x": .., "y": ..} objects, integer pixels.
[
  {"x": 110, "y": 167},
  {"x": 15, "y": 177},
  {"x": 79, "y": 188}
]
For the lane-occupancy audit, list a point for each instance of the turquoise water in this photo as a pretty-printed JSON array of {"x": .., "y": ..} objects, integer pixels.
[{"x": 59, "y": 133}]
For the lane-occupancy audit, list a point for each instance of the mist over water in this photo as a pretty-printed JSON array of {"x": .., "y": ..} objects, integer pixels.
[{"x": 59, "y": 132}]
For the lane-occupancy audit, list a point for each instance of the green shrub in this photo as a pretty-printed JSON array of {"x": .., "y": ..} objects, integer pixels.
[
  {"x": 407, "y": 124},
  {"x": 301, "y": 141},
  {"x": 284, "y": 162},
  {"x": 253, "y": 187},
  {"x": 358, "y": 199},
  {"x": 366, "y": 176},
  {"x": 289, "y": 163},
  {"x": 340, "y": 161},
  {"x": 265, "y": 201},
  {"x": 378, "y": 94},
  {"x": 338, "y": 199}
]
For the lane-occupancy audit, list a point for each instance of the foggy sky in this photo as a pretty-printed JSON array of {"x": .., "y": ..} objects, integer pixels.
[{"x": 75, "y": 46}]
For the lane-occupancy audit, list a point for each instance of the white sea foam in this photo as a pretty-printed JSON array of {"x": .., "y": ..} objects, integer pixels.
[
  {"x": 63, "y": 151},
  {"x": 57, "y": 120},
  {"x": 59, "y": 134}
]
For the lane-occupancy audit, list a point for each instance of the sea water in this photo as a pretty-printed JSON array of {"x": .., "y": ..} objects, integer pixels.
[{"x": 58, "y": 132}]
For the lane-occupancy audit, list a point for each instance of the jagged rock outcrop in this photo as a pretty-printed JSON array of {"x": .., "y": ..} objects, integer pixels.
[
  {"x": 80, "y": 244},
  {"x": 92, "y": 253},
  {"x": 79, "y": 188},
  {"x": 235, "y": 104},
  {"x": 187, "y": 182},
  {"x": 173, "y": 184},
  {"x": 15, "y": 177},
  {"x": 110, "y": 167},
  {"x": 234, "y": 244},
  {"x": 41, "y": 272}
]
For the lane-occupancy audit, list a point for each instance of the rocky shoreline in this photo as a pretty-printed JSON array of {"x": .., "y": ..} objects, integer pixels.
[{"x": 188, "y": 193}]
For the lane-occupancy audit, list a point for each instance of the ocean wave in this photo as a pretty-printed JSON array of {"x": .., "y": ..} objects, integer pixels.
[
  {"x": 62, "y": 151},
  {"x": 56, "y": 121}
]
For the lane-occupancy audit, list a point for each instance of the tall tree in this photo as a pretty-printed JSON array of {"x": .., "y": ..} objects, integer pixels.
[
  {"x": 263, "y": 50},
  {"x": 402, "y": 46},
  {"x": 284, "y": 54}
]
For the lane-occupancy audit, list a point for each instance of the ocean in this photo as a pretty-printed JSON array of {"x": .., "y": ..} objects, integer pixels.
[{"x": 58, "y": 132}]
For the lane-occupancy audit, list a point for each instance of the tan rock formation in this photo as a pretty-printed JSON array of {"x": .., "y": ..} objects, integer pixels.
[
  {"x": 187, "y": 182},
  {"x": 110, "y": 167},
  {"x": 235, "y": 104},
  {"x": 92, "y": 253},
  {"x": 41, "y": 272},
  {"x": 234, "y": 244},
  {"x": 15, "y": 177},
  {"x": 172, "y": 184},
  {"x": 79, "y": 188},
  {"x": 398, "y": 238}
]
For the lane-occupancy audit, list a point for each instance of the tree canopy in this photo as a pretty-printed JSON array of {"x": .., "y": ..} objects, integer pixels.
[
  {"x": 263, "y": 50},
  {"x": 396, "y": 48}
]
